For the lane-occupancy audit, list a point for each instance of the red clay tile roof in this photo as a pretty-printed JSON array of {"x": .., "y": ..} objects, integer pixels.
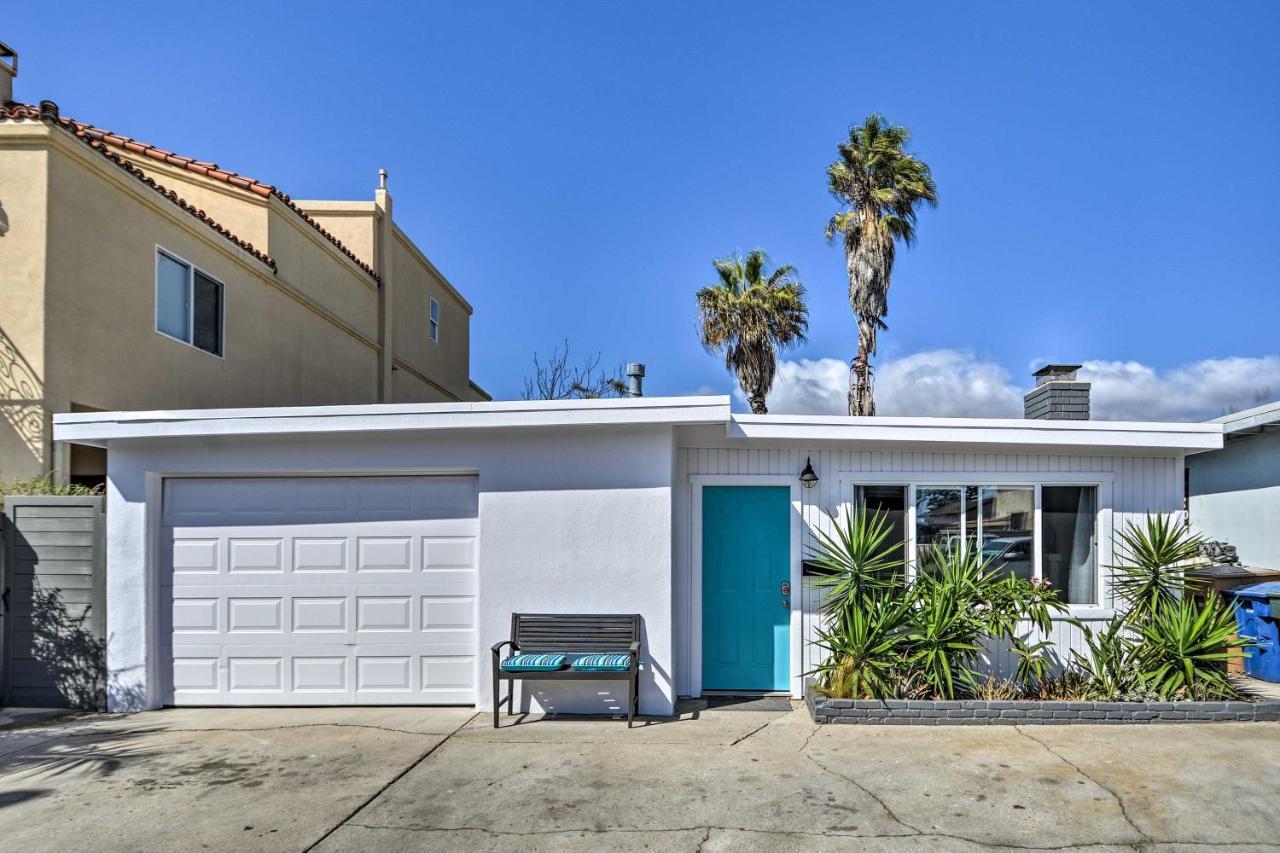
[
  {"x": 99, "y": 139},
  {"x": 11, "y": 111}
]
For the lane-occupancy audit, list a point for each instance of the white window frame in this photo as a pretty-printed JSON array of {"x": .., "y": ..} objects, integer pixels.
[
  {"x": 192, "y": 269},
  {"x": 433, "y": 319},
  {"x": 1104, "y": 482}
]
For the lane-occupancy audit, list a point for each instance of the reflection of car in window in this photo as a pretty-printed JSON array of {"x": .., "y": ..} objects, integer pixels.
[{"x": 1011, "y": 552}]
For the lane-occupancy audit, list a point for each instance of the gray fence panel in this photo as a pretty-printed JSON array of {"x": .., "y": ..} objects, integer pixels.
[{"x": 54, "y": 612}]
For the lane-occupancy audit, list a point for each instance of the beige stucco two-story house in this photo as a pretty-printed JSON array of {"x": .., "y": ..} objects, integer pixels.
[{"x": 135, "y": 278}]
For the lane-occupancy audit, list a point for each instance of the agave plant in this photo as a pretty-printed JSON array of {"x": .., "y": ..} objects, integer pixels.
[
  {"x": 1184, "y": 648},
  {"x": 1156, "y": 557},
  {"x": 864, "y": 648},
  {"x": 856, "y": 558}
]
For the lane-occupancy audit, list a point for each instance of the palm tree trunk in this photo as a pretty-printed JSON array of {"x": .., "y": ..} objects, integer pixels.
[
  {"x": 861, "y": 400},
  {"x": 757, "y": 404}
]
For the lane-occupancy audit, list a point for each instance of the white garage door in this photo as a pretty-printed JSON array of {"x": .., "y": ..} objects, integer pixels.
[{"x": 320, "y": 590}]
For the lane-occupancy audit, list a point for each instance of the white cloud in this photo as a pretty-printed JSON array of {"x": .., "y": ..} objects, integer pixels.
[
  {"x": 1128, "y": 390},
  {"x": 952, "y": 383}
]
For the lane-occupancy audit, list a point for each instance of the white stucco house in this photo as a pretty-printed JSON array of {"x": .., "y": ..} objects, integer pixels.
[
  {"x": 1233, "y": 494},
  {"x": 373, "y": 554}
]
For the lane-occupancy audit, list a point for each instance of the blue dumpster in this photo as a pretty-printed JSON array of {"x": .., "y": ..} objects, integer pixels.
[{"x": 1256, "y": 615}]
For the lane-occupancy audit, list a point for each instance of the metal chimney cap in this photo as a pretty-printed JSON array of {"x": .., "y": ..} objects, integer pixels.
[
  {"x": 635, "y": 368},
  {"x": 1050, "y": 372}
]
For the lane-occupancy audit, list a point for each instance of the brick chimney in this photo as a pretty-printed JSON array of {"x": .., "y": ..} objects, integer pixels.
[
  {"x": 8, "y": 70},
  {"x": 1058, "y": 395}
]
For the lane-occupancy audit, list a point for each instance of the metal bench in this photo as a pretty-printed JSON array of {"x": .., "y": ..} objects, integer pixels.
[{"x": 541, "y": 633}]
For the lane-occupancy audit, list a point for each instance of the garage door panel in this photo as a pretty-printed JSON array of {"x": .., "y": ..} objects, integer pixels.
[{"x": 314, "y": 591}]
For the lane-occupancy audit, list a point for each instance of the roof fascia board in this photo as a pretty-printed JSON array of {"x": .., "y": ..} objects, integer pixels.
[
  {"x": 98, "y": 427},
  {"x": 1249, "y": 419},
  {"x": 981, "y": 431}
]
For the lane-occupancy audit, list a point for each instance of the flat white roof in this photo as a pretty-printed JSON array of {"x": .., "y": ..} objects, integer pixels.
[
  {"x": 98, "y": 428},
  {"x": 1250, "y": 419}
]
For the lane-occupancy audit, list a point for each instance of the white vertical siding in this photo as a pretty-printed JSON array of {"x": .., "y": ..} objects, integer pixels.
[{"x": 1140, "y": 485}]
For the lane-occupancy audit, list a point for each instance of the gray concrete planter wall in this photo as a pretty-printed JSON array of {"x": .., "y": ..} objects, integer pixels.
[{"x": 978, "y": 712}]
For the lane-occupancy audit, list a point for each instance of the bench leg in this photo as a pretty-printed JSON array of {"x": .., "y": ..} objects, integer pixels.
[
  {"x": 634, "y": 700},
  {"x": 496, "y": 703}
]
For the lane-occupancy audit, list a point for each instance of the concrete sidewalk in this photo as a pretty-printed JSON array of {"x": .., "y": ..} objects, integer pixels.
[{"x": 442, "y": 779}]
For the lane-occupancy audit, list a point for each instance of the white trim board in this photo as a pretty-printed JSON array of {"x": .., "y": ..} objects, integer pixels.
[{"x": 696, "y": 483}]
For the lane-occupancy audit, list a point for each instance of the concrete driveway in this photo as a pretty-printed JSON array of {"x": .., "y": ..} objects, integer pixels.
[{"x": 442, "y": 779}]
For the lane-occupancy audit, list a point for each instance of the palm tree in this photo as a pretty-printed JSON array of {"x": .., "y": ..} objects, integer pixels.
[
  {"x": 751, "y": 313},
  {"x": 881, "y": 185}
]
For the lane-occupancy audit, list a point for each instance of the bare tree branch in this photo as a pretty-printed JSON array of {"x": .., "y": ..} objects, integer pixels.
[{"x": 557, "y": 379}]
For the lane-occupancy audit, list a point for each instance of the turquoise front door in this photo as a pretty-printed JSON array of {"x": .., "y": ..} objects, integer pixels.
[{"x": 746, "y": 577}]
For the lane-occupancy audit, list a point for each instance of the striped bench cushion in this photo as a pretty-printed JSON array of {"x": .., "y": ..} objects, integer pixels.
[
  {"x": 608, "y": 662},
  {"x": 533, "y": 663}
]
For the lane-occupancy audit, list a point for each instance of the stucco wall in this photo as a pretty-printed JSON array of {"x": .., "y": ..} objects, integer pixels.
[
  {"x": 446, "y": 361},
  {"x": 571, "y": 520},
  {"x": 101, "y": 313},
  {"x": 77, "y": 242},
  {"x": 24, "y": 428},
  {"x": 1235, "y": 496}
]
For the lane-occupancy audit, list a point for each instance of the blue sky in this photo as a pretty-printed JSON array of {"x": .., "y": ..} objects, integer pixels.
[{"x": 1107, "y": 172}]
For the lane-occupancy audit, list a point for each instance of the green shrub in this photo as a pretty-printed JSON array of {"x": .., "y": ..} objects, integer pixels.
[
  {"x": 44, "y": 486},
  {"x": 1156, "y": 558},
  {"x": 855, "y": 559},
  {"x": 889, "y": 637},
  {"x": 1184, "y": 647},
  {"x": 866, "y": 649}
]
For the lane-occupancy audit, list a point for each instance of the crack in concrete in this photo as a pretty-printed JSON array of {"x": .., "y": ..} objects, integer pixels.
[
  {"x": 914, "y": 830},
  {"x": 161, "y": 730},
  {"x": 378, "y": 793},
  {"x": 759, "y": 728},
  {"x": 708, "y": 829},
  {"x": 917, "y": 831},
  {"x": 1124, "y": 811}
]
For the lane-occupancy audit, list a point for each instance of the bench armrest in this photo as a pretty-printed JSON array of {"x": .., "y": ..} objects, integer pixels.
[{"x": 498, "y": 646}]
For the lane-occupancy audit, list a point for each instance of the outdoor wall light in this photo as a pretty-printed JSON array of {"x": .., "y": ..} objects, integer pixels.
[{"x": 808, "y": 478}]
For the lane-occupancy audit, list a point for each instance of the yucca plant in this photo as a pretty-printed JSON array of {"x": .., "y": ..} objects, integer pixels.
[
  {"x": 1155, "y": 559},
  {"x": 997, "y": 600},
  {"x": 943, "y": 637},
  {"x": 856, "y": 557},
  {"x": 1110, "y": 669},
  {"x": 864, "y": 648},
  {"x": 1184, "y": 648}
]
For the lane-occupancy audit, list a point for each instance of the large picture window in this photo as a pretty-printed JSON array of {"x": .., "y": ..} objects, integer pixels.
[
  {"x": 1032, "y": 531},
  {"x": 188, "y": 304}
]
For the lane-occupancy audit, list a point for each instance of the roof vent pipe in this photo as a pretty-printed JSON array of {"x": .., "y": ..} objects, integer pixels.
[
  {"x": 635, "y": 379},
  {"x": 8, "y": 70}
]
